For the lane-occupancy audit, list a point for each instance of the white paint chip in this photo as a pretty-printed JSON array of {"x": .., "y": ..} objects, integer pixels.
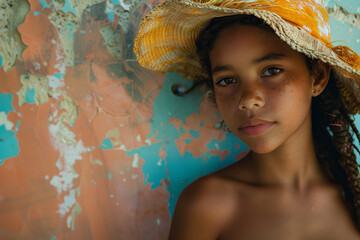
[
  {"x": 124, "y": 5},
  {"x": 135, "y": 163},
  {"x": 122, "y": 147},
  {"x": 4, "y": 121},
  {"x": 69, "y": 201}
]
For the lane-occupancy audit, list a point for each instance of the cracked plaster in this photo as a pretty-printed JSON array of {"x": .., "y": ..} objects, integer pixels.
[{"x": 12, "y": 14}]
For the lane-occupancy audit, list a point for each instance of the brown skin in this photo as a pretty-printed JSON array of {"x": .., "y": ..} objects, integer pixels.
[{"x": 278, "y": 190}]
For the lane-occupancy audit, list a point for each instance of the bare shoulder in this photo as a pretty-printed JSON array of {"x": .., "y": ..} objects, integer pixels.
[{"x": 203, "y": 209}]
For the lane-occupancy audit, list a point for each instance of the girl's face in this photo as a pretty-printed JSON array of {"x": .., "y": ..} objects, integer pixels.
[{"x": 263, "y": 88}]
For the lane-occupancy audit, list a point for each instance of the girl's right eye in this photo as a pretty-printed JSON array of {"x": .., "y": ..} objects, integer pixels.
[{"x": 225, "y": 81}]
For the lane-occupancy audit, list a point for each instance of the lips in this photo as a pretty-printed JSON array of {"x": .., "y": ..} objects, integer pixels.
[{"x": 254, "y": 126}]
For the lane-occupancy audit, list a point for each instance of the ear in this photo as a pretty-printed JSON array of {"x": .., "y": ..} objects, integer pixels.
[{"x": 321, "y": 75}]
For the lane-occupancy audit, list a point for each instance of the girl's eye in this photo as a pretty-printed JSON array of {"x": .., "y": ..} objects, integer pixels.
[
  {"x": 225, "y": 81},
  {"x": 271, "y": 72}
]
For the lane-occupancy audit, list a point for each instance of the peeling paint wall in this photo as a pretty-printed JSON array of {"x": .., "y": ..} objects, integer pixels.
[{"x": 92, "y": 146}]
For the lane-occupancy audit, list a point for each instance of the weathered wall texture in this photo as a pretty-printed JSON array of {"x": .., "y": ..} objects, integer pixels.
[{"x": 92, "y": 146}]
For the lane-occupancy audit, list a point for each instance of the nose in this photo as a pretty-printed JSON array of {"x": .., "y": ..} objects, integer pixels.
[{"x": 251, "y": 99}]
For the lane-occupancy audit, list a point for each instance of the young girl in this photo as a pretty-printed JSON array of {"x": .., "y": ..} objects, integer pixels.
[{"x": 288, "y": 94}]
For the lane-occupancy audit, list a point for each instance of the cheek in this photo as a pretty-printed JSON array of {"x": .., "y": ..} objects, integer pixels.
[
  {"x": 293, "y": 102},
  {"x": 226, "y": 104},
  {"x": 287, "y": 103}
]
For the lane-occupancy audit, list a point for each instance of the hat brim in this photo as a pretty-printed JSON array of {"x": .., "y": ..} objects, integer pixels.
[{"x": 166, "y": 40}]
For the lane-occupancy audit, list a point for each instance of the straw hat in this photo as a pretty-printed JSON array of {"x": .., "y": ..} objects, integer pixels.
[{"x": 167, "y": 35}]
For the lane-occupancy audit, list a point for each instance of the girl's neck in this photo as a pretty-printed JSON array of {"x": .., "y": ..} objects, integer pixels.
[{"x": 293, "y": 165}]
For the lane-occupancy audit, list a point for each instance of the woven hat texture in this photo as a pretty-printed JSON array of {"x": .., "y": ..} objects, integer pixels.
[{"x": 167, "y": 35}]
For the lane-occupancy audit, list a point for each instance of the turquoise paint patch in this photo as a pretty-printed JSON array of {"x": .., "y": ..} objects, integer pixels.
[
  {"x": 115, "y": 2},
  {"x": 230, "y": 143},
  {"x": 67, "y": 8},
  {"x": 111, "y": 16},
  {"x": 30, "y": 96},
  {"x": 181, "y": 130},
  {"x": 44, "y": 4},
  {"x": 201, "y": 124},
  {"x": 194, "y": 133},
  {"x": 188, "y": 141},
  {"x": 152, "y": 171},
  {"x": 1, "y": 60},
  {"x": 106, "y": 144},
  {"x": 5, "y": 103},
  {"x": 36, "y": 13},
  {"x": 109, "y": 176},
  {"x": 52, "y": 237},
  {"x": 9, "y": 146},
  {"x": 59, "y": 75}
]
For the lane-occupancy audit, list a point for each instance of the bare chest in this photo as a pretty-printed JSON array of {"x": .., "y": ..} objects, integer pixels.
[{"x": 287, "y": 216}]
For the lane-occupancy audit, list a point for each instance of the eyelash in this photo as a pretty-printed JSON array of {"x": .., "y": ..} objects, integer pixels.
[
  {"x": 219, "y": 83},
  {"x": 278, "y": 70}
]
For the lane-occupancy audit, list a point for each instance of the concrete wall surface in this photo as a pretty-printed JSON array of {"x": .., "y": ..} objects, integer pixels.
[{"x": 93, "y": 146}]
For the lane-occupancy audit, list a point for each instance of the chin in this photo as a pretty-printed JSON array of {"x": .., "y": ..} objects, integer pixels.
[
  {"x": 260, "y": 147},
  {"x": 261, "y": 150}
]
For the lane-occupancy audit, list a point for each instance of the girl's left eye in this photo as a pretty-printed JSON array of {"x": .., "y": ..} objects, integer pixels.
[
  {"x": 225, "y": 81},
  {"x": 271, "y": 72}
]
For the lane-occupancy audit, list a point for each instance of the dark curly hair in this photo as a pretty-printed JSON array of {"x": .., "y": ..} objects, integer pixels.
[{"x": 332, "y": 126}]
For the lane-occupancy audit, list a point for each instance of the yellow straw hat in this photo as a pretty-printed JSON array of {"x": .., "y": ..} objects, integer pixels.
[{"x": 167, "y": 36}]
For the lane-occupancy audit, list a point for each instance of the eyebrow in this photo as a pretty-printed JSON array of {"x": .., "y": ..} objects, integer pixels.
[
  {"x": 270, "y": 56},
  {"x": 221, "y": 68}
]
